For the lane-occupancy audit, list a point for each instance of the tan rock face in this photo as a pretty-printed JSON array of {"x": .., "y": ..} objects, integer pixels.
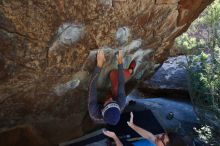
[{"x": 48, "y": 48}]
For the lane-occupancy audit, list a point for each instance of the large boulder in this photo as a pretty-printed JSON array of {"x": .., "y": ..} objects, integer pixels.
[
  {"x": 170, "y": 80},
  {"x": 48, "y": 50}
]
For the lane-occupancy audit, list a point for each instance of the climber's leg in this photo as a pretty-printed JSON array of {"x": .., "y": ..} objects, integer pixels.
[
  {"x": 114, "y": 77},
  {"x": 114, "y": 80}
]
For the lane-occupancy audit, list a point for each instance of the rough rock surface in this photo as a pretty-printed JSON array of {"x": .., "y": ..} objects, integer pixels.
[
  {"x": 22, "y": 136},
  {"x": 169, "y": 80},
  {"x": 48, "y": 48}
]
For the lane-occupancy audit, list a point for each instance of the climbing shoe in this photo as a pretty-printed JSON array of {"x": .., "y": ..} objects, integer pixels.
[{"x": 132, "y": 65}]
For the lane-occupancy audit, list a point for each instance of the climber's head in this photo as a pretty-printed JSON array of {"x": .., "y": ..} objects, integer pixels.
[{"x": 111, "y": 113}]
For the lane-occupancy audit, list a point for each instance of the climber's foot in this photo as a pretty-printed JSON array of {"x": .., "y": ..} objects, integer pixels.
[{"x": 132, "y": 66}]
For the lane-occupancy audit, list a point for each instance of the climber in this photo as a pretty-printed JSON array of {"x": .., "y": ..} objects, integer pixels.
[
  {"x": 163, "y": 139},
  {"x": 114, "y": 103}
]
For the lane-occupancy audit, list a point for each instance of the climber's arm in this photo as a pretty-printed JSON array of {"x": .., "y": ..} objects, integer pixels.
[
  {"x": 121, "y": 82},
  {"x": 93, "y": 106}
]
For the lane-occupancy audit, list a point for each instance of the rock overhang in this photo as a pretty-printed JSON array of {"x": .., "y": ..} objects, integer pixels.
[{"x": 48, "y": 53}]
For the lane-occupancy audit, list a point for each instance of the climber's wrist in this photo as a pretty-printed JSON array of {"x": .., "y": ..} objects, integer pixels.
[
  {"x": 100, "y": 65},
  {"x": 120, "y": 61}
]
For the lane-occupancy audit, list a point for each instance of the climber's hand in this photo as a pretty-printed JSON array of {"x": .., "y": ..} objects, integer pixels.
[
  {"x": 100, "y": 58},
  {"x": 120, "y": 57}
]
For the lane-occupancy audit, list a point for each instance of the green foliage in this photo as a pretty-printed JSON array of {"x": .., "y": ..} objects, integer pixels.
[
  {"x": 211, "y": 15},
  {"x": 186, "y": 42},
  {"x": 201, "y": 43}
]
